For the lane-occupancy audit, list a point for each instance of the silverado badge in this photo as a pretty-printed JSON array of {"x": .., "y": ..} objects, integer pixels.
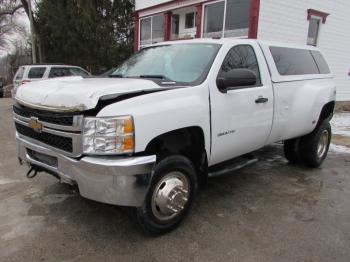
[{"x": 35, "y": 124}]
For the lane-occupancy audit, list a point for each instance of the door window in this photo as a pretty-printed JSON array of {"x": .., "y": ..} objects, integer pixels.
[
  {"x": 78, "y": 72},
  {"x": 36, "y": 72},
  {"x": 59, "y": 71},
  {"x": 242, "y": 56}
]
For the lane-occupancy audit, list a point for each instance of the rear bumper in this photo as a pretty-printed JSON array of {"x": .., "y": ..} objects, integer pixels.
[{"x": 120, "y": 181}]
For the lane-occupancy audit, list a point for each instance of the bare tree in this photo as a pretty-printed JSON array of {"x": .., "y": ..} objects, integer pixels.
[
  {"x": 8, "y": 26},
  {"x": 33, "y": 26}
]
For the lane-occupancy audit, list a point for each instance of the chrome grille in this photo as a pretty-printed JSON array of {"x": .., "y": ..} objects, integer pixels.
[
  {"x": 60, "y": 142},
  {"x": 60, "y": 121},
  {"x": 63, "y": 138}
]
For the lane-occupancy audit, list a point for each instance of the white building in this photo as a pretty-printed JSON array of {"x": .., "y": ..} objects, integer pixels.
[{"x": 323, "y": 23}]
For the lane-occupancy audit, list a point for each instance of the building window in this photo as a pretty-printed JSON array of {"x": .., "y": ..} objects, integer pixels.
[
  {"x": 183, "y": 23},
  {"x": 316, "y": 18},
  {"x": 151, "y": 30},
  {"x": 145, "y": 31},
  {"x": 213, "y": 19},
  {"x": 236, "y": 20},
  {"x": 175, "y": 25},
  {"x": 189, "y": 20},
  {"x": 157, "y": 29},
  {"x": 312, "y": 35}
]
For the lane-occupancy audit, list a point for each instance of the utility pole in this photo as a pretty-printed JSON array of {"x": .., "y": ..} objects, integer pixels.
[{"x": 32, "y": 31}]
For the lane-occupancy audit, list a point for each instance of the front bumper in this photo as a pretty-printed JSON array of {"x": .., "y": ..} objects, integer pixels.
[{"x": 120, "y": 181}]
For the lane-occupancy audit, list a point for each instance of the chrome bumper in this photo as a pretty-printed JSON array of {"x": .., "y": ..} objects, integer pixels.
[{"x": 120, "y": 181}]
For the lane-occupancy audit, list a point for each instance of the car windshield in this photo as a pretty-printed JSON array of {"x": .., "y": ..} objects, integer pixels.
[{"x": 178, "y": 63}]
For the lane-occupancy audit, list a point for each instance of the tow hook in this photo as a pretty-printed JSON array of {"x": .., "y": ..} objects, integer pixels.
[{"x": 32, "y": 172}]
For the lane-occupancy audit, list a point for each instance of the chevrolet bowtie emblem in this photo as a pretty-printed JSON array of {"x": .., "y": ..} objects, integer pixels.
[{"x": 35, "y": 124}]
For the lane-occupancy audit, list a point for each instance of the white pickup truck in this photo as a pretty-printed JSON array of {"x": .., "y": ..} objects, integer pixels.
[{"x": 172, "y": 115}]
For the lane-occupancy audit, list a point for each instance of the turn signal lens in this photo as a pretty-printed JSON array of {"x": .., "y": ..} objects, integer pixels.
[{"x": 128, "y": 126}]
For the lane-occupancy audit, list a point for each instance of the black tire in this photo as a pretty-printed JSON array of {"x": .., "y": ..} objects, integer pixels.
[
  {"x": 1, "y": 94},
  {"x": 145, "y": 216},
  {"x": 292, "y": 151},
  {"x": 311, "y": 154}
]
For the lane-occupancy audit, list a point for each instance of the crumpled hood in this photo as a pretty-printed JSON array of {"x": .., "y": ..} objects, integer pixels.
[{"x": 77, "y": 93}]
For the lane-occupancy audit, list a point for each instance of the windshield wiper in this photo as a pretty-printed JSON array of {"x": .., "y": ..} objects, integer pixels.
[
  {"x": 116, "y": 75},
  {"x": 162, "y": 77},
  {"x": 153, "y": 76}
]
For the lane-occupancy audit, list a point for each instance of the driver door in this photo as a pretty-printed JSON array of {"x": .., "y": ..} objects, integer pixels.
[{"x": 241, "y": 117}]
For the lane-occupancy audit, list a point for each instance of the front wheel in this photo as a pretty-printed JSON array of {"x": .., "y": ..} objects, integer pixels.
[
  {"x": 170, "y": 196},
  {"x": 314, "y": 147}
]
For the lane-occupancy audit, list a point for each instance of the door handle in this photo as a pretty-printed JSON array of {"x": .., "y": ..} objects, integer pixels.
[{"x": 261, "y": 100}]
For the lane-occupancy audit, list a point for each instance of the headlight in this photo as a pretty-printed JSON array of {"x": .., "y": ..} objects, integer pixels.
[{"x": 108, "y": 135}]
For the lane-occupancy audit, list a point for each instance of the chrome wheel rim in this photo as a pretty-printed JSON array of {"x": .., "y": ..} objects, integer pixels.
[
  {"x": 322, "y": 144},
  {"x": 170, "y": 196}
]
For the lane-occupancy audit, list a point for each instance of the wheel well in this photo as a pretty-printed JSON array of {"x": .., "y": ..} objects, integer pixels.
[
  {"x": 188, "y": 142},
  {"x": 327, "y": 112}
]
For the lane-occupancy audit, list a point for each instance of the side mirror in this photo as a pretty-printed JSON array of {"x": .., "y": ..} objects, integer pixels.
[{"x": 235, "y": 79}]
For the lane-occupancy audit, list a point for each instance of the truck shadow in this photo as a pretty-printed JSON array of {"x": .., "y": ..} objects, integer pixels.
[{"x": 241, "y": 196}]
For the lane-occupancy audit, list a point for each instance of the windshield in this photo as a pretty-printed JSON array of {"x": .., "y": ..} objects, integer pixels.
[{"x": 184, "y": 63}]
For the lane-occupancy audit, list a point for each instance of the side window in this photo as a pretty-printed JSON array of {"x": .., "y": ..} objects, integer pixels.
[
  {"x": 242, "y": 56},
  {"x": 321, "y": 62},
  {"x": 59, "y": 71},
  {"x": 78, "y": 72},
  {"x": 293, "y": 61},
  {"x": 20, "y": 72},
  {"x": 36, "y": 72}
]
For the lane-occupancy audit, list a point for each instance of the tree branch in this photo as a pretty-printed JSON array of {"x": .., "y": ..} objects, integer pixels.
[{"x": 11, "y": 11}]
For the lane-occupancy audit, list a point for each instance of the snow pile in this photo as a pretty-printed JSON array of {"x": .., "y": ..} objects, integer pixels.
[
  {"x": 339, "y": 149},
  {"x": 341, "y": 124}
]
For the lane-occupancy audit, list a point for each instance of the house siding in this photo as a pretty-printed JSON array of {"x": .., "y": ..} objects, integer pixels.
[
  {"x": 286, "y": 21},
  {"x": 142, "y": 4}
]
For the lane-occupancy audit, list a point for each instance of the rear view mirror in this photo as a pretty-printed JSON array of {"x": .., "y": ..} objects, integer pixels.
[{"x": 235, "y": 79}]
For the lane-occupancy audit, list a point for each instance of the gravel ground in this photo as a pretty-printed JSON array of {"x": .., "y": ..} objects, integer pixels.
[{"x": 270, "y": 211}]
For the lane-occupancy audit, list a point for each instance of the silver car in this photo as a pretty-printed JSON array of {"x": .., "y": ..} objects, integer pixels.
[{"x": 29, "y": 73}]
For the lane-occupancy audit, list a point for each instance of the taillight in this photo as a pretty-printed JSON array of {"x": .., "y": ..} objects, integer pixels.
[{"x": 24, "y": 82}]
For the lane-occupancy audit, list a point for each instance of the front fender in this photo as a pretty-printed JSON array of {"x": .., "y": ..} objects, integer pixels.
[{"x": 161, "y": 112}]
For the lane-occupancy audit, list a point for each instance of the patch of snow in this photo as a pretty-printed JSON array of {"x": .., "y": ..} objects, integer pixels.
[
  {"x": 339, "y": 149},
  {"x": 4, "y": 181},
  {"x": 341, "y": 124}
]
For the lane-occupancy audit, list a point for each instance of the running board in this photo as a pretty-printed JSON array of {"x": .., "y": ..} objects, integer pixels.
[{"x": 232, "y": 165}]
